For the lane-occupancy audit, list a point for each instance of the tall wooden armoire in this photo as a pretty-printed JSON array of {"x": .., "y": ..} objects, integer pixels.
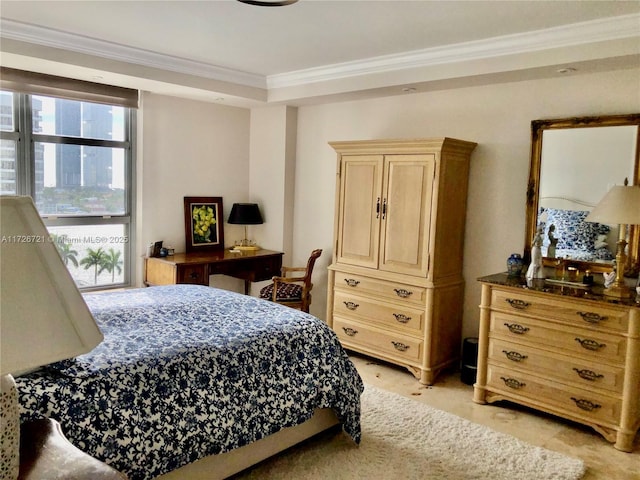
[{"x": 395, "y": 284}]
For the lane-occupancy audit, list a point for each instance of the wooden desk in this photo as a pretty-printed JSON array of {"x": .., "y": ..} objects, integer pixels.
[{"x": 195, "y": 267}]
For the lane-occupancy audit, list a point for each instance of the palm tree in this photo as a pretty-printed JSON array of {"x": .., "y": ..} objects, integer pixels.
[
  {"x": 95, "y": 259},
  {"x": 111, "y": 262},
  {"x": 65, "y": 250}
]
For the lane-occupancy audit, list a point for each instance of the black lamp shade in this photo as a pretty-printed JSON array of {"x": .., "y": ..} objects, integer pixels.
[{"x": 245, "y": 214}]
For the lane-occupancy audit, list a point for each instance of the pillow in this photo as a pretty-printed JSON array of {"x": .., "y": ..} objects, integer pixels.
[{"x": 572, "y": 231}]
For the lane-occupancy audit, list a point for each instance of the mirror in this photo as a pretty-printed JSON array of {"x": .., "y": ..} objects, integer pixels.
[{"x": 574, "y": 162}]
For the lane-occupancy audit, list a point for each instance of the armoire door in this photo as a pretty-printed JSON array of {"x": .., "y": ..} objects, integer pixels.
[
  {"x": 360, "y": 210},
  {"x": 406, "y": 213}
]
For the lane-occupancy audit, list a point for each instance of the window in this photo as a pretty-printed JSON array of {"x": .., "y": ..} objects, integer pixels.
[{"x": 75, "y": 159}]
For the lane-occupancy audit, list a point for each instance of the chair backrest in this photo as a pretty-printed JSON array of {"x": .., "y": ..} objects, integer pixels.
[{"x": 310, "y": 264}]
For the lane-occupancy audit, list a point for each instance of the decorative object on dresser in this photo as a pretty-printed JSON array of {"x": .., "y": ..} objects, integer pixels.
[
  {"x": 564, "y": 350},
  {"x": 245, "y": 214},
  {"x": 621, "y": 205},
  {"x": 203, "y": 224},
  {"x": 44, "y": 317},
  {"x": 293, "y": 290},
  {"x": 395, "y": 283}
]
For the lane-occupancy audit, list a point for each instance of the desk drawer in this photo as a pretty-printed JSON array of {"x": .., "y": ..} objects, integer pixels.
[{"x": 195, "y": 274}]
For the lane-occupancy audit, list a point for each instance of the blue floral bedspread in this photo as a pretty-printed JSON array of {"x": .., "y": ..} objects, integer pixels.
[{"x": 188, "y": 371}]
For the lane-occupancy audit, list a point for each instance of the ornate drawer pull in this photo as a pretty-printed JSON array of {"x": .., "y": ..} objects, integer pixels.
[
  {"x": 401, "y": 317},
  {"x": 517, "y": 304},
  {"x": 590, "y": 344},
  {"x": 401, "y": 292},
  {"x": 592, "y": 317},
  {"x": 352, "y": 282},
  {"x": 587, "y": 405},
  {"x": 588, "y": 374},
  {"x": 516, "y": 328},
  {"x": 349, "y": 331},
  {"x": 351, "y": 305},
  {"x": 513, "y": 383},
  {"x": 400, "y": 346},
  {"x": 515, "y": 356}
]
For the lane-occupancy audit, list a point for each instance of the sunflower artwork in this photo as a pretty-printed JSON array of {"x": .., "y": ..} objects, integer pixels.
[{"x": 203, "y": 223}]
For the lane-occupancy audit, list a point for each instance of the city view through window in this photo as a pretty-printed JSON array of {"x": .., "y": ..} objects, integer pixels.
[{"x": 77, "y": 180}]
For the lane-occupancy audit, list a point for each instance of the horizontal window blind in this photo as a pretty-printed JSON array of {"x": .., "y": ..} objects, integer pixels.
[{"x": 33, "y": 83}]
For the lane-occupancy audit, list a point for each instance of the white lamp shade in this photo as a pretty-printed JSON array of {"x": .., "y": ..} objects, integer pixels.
[
  {"x": 43, "y": 317},
  {"x": 621, "y": 205}
]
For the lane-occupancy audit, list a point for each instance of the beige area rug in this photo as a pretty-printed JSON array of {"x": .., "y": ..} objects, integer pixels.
[{"x": 406, "y": 439}]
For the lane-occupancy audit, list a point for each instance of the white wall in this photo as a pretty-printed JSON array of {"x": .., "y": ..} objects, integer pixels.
[
  {"x": 497, "y": 117},
  {"x": 188, "y": 148}
]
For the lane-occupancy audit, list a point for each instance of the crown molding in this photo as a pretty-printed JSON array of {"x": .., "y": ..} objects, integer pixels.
[
  {"x": 47, "y": 37},
  {"x": 578, "y": 34},
  {"x": 608, "y": 29}
]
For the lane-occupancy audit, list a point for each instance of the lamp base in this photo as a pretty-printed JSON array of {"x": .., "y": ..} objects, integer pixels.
[
  {"x": 9, "y": 428},
  {"x": 247, "y": 248},
  {"x": 617, "y": 291}
]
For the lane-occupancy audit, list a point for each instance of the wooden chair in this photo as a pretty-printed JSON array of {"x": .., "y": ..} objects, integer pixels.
[{"x": 293, "y": 290}]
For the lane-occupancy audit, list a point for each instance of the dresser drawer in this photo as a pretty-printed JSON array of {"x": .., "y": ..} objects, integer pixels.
[
  {"x": 362, "y": 285},
  {"x": 595, "y": 345},
  {"x": 566, "y": 369},
  {"x": 400, "y": 317},
  {"x": 581, "y": 314},
  {"x": 394, "y": 345},
  {"x": 598, "y": 408}
]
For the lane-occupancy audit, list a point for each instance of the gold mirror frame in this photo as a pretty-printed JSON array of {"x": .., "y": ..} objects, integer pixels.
[{"x": 537, "y": 129}]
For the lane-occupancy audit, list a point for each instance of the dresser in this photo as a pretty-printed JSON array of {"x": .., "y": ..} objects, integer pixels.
[
  {"x": 395, "y": 284},
  {"x": 564, "y": 350}
]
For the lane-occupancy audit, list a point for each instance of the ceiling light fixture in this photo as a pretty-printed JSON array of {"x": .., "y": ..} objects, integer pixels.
[{"x": 268, "y": 3}]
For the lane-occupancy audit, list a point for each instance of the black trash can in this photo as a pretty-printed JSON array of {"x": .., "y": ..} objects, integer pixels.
[{"x": 469, "y": 360}]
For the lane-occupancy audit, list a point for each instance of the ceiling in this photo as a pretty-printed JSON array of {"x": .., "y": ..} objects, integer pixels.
[{"x": 313, "y": 50}]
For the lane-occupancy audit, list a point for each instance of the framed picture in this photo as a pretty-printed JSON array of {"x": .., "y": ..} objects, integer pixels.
[{"x": 203, "y": 223}]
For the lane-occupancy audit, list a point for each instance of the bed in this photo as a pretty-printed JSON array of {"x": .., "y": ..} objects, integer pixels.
[{"x": 187, "y": 372}]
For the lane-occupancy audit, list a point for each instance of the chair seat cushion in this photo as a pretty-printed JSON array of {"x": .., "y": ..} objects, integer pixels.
[{"x": 287, "y": 292}]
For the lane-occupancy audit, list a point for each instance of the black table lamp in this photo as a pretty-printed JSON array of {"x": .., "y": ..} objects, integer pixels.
[{"x": 245, "y": 214}]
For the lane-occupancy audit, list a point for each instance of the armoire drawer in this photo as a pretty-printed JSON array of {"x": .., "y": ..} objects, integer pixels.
[
  {"x": 581, "y": 314},
  {"x": 595, "y": 407},
  {"x": 389, "y": 343},
  {"x": 362, "y": 285},
  {"x": 398, "y": 317},
  {"x": 596, "y": 345},
  {"x": 567, "y": 369}
]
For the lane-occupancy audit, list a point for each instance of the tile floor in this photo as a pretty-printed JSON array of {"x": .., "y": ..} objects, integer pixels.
[{"x": 450, "y": 394}]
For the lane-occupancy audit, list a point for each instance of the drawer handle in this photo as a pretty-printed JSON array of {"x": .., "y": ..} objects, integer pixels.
[
  {"x": 349, "y": 331},
  {"x": 515, "y": 356},
  {"x": 592, "y": 317},
  {"x": 590, "y": 344},
  {"x": 193, "y": 275},
  {"x": 588, "y": 374},
  {"x": 587, "y": 405},
  {"x": 401, "y": 317},
  {"x": 400, "y": 346},
  {"x": 516, "y": 328},
  {"x": 352, "y": 282},
  {"x": 351, "y": 305},
  {"x": 517, "y": 303},
  {"x": 402, "y": 293},
  {"x": 513, "y": 383}
]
